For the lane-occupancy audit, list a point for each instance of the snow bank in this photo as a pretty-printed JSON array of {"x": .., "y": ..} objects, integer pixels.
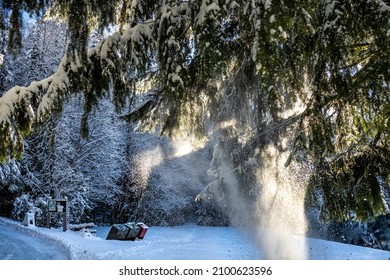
[{"x": 66, "y": 244}]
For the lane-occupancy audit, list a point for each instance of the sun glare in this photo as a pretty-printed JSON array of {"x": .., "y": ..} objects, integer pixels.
[{"x": 182, "y": 148}]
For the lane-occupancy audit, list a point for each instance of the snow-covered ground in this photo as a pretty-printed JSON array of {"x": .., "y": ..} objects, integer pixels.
[
  {"x": 15, "y": 245},
  {"x": 188, "y": 242}
]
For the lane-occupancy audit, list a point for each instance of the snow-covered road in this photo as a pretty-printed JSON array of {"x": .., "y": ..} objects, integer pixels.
[{"x": 15, "y": 245}]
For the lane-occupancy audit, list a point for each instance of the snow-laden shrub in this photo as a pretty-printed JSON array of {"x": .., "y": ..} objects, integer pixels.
[
  {"x": 40, "y": 209},
  {"x": 210, "y": 213},
  {"x": 22, "y": 205},
  {"x": 38, "y": 206},
  {"x": 78, "y": 204}
]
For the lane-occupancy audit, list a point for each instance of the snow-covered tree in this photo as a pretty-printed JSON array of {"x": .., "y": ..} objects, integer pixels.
[
  {"x": 18, "y": 178},
  {"x": 86, "y": 171},
  {"x": 162, "y": 180},
  {"x": 43, "y": 48},
  {"x": 332, "y": 56},
  {"x": 57, "y": 161},
  {"x": 3, "y": 40},
  {"x": 10, "y": 185}
]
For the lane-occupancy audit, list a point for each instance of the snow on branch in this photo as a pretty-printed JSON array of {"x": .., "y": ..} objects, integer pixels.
[
  {"x": 206, "y": 11},
  {"x": 21, "y": 106},
  {"x": 385, "y": 9}
]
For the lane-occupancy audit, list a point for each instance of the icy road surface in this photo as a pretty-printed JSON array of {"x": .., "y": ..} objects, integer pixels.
[{"x": 16, "y": 245}]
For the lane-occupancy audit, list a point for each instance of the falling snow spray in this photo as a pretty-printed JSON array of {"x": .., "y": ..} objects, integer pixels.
[
  {"x": 280, "y": 208},
  {"x": 273, "y": 212},
  {"x": 275, "y": 219}
]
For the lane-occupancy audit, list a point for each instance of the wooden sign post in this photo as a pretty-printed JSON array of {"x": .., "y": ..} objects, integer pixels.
[{"x": 57, "y": 206}]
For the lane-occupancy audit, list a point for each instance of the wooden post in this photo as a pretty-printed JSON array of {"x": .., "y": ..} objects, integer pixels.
[
  {"x": 48, "y": 220},
  {"x": 64, "y": 223}
]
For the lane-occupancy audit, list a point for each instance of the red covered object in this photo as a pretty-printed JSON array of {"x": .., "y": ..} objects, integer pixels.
[{"x": 142, "y": 230}]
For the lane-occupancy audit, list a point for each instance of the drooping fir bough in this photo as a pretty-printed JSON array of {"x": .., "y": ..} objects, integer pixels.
[{"x": 208, "y": 62}]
